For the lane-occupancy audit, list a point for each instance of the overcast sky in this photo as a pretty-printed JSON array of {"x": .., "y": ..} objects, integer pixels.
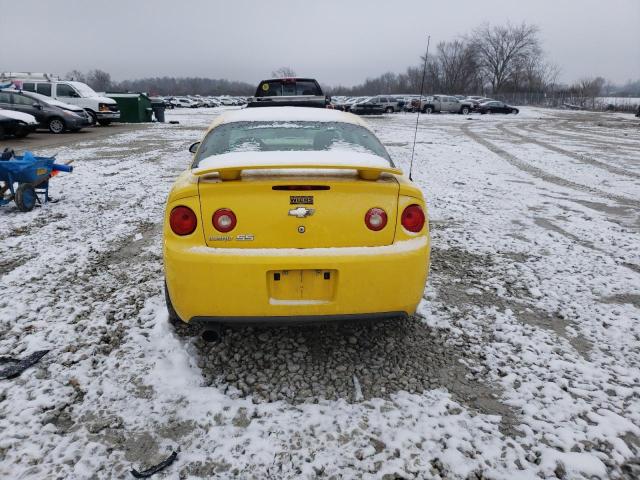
[{"x": 336, "y": 41}]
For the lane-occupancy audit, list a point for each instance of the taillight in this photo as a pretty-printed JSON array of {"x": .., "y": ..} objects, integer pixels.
[
  {"x": 375, "y": 219},
  {"x": 224, "y": 220},
  {"x": 182, "y": 220},
  {"x": 413, "y": 218}
]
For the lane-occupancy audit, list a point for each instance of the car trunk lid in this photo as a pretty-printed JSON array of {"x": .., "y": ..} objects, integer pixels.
[{"x": 299, "y": 210}]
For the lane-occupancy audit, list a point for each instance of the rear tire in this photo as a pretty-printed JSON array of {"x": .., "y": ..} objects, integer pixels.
[
  {"x": 26, "y": 197},
  {"x": 465, "y": 111},
  {"x": 515, "y": 111},
  {"x": 56, "y": 125},
  {"x": 388, "y": 110}
]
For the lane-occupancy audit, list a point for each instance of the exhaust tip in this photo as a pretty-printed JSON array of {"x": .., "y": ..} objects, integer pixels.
[{"x": 211, "y": 336}]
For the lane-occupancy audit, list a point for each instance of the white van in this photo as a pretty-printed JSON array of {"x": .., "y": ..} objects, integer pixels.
[{"x": 101, "y": 109}]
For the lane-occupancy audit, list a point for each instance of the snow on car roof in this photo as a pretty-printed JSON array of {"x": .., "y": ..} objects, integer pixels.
[{"x": 294, "y": 114}]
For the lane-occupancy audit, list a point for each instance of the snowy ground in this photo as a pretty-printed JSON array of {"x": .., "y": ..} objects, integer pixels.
[{"x": 523, "y": 361}]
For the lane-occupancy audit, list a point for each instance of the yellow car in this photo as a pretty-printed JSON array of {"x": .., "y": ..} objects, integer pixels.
[{"x": 293, "y": 214}]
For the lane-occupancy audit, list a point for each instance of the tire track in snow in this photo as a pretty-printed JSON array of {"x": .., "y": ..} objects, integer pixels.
[
  {"x": 576, "y": 136},
  {"x": 541, "y": 174},
  {"x": 581, "y": 158}
]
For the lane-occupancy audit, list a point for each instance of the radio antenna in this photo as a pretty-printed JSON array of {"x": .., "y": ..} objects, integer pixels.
[{"x": 415, "y": 133}]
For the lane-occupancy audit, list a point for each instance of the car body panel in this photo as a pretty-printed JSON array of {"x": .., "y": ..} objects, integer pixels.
[{"x": 265, "y": 214}]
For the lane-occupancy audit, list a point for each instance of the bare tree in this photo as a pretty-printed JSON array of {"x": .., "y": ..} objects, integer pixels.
[
  {"x": 99, "y": 80},
  {"x": 457, "y": 66},
  {"x": 590, "y": 88},
  {"x": 76, "y": 75},
  {"x": 501, "y": 50},
  {"x": 283, "y": 72}
]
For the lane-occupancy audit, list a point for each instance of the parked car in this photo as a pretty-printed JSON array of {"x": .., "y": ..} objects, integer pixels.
[
  {"x": 289, "y": 92},
  {"x": 341, "y": 103},
  {"x": 65, "y": 106},
  {"x": 476, "y": 101},
  {"x": 102, "y": 110},
  {"x": 51, "y": 117},
  {"x": 184, "y": 102},
  {"x": 445, "y": 103},
  {"x": 414, "y": 103},
  {"x": 367, "y": 106},
  {"x": 212, "y": 102},
  {"x": 16, "y": 124},
  {"x": 246, "y": 246},
  {"x": 389, "y": 104},
  {"x": 350, "y": 102},
  {"x": 495, "y": 106}
]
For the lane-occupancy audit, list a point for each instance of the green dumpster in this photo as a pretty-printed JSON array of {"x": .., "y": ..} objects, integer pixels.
[{"x": 134, "y": 107}]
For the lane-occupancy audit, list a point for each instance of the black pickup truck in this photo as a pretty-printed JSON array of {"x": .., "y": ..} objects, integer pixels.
[{"x": 289, "y": 92}]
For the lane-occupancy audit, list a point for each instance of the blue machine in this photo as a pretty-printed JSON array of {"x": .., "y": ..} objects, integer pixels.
[{"x": 31, "y": 174}]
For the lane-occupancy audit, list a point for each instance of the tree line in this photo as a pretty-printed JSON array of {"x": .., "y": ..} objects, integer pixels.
[
  {"x": 101, "y": 81},
  {"x": 491, "y": 59},
  {"x": 504, "y": 61}
]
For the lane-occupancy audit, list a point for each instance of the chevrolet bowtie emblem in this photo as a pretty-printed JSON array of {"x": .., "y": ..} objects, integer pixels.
[{"x": 301, "y": 212}]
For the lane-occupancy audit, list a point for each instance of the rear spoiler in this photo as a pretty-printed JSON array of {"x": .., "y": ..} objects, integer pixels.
[{"x": 233, "y": 172}]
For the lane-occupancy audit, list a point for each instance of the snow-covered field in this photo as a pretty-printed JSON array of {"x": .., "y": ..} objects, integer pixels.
[{"x": 522, "y": 362}]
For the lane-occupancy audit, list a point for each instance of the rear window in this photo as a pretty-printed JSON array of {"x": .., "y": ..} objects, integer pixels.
[
  {"x": 277, "y": 88},
  {"x": 29, "y": 87},
  {"x": 289, "y": 136}
]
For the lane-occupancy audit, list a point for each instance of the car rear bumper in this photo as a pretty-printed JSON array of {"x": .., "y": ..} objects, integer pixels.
[
  {"x": 236, "y": 285},
  {"x": 297, "y": 319}
]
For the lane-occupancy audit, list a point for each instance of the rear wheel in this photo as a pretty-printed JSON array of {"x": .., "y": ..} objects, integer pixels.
[
  {"x": 389, "y": 110},
  {"x": 56, "y": 125},
  {"x": 26, "y": 197},
  {"x": 465, "y": 111},
  {"x": 515, "y": 111}
]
